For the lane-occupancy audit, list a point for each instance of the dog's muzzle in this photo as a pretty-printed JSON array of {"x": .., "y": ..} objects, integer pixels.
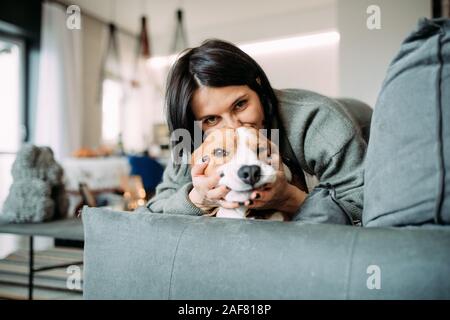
[{"x": 249, "y": 174}]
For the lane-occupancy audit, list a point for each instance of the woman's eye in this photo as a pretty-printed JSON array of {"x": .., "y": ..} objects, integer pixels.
[
  {"x": 241, "y": 104},
  {"x": 220, "y": 153},
  {"x": 210, "y": 121}
]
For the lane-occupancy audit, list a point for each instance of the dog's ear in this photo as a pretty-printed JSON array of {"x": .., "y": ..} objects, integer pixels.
[{"x": 197, "y": 156}]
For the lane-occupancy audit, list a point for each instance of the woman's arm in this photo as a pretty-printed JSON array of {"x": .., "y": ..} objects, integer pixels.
[
  {"x": 172, "y": 194},
  {"x": 327, "y": 142},
  {"x": 334, "y": 151},
  {"x": 339, "y": 196},
  {"x": 280, "y": 195}
]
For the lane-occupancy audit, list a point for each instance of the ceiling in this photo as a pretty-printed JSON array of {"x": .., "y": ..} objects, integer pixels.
[{"x": 199, "y": 14}]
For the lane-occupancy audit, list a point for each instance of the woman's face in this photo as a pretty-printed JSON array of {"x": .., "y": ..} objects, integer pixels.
[{"x": 227, "y": 107}]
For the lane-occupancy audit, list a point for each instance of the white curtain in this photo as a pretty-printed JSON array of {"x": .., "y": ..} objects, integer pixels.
[{"x": 59, "y": 108}]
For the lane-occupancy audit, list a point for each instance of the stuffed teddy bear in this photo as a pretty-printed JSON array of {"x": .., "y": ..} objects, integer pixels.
[{"x": 37, "y": 193}]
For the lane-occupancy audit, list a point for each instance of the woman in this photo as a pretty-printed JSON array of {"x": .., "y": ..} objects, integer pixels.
[{"x": 221, "y": 86}]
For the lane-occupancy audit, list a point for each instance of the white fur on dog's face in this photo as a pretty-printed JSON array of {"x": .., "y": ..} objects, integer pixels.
[
  {"x": 247, "y": 155},
  {"x": 229, "y": 150}
]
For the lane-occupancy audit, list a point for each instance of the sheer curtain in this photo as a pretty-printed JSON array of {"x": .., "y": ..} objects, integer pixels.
[{"x": 59, "y": 107}]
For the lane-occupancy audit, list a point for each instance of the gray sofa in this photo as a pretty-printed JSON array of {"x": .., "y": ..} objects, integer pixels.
[{"x": 157, "y": 256}]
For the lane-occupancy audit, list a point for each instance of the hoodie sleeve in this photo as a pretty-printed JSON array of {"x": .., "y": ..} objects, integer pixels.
[
  {"x": 334, "y": 151},
  {"x": 338, "y": 198},
  {"x": 172, "y": 194}
]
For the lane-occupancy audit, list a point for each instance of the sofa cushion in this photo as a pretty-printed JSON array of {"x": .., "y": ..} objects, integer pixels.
[{"x": 407, "y": 176}]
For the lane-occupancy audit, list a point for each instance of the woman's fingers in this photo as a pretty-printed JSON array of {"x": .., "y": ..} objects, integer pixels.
[
  {"x": 254, "y": 204},
  {"x": 206, "y": 183},
  {"x": 217, "y": 193},
  {"x": 199, "y": 169},
  {"x": 256, "y": 195},
  {"x": 261, "y": 194},
  {"x": 229, "y": 205},
  {"x": 213, "y": 181}
]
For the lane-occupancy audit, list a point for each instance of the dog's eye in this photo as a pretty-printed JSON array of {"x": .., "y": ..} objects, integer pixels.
[{"x": 220, "y": 153}]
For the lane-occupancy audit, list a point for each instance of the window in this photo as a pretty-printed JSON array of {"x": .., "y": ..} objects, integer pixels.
[
  {"x": 111, "y": 101},
  {"x": 11, "y": 108},
  {"x": 112, "y": 92}
]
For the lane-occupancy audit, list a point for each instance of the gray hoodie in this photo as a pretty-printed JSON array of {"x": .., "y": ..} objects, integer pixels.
[{"x": 325, "y": 138}]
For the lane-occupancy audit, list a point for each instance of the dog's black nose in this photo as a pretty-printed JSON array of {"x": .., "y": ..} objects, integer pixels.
[{"x": 249, "y": 174}]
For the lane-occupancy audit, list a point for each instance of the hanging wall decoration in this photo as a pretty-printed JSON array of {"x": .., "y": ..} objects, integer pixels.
[
  {"x": 111, "y": 67},
  {"x": 144, "y": 96},
  {"x": 180, "y": 40},
  {"x": 143, "y": 50}
]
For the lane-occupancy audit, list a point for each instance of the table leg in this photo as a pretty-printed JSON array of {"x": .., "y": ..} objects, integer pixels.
[{"x": 31, "y": 269}]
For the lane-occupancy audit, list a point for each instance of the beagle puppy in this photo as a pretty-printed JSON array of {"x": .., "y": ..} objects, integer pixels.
[{"x": 242, "y": 159}]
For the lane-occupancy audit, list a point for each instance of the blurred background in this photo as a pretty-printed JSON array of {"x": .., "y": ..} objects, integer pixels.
[{"x": 87, "y": 77}]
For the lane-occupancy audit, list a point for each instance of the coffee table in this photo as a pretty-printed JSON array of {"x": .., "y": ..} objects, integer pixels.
[{"x": 64, "y": 229}]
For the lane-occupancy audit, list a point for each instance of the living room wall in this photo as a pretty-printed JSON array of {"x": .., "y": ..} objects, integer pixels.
[
  {"x": 364, "y": 54},
  {"x": 308, "y": 68}
]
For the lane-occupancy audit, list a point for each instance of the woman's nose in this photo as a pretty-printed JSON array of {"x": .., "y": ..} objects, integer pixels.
[{"x": 232, "y": 122}]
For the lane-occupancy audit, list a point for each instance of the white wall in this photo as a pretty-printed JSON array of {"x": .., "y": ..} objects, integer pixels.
[
  {"x": 204, "y": 16},
  {"x": 270, "y": 26},
  {"x": 308, "y": 68},
  {"x": 314, "y": 68},
  {"x": 365, "y": 54}
]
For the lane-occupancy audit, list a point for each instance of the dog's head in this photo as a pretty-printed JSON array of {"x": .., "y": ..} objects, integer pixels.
[{"x": 241, "y": 157}]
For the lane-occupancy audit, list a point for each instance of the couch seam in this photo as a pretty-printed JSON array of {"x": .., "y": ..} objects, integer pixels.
[{"x": 173, "y": 262}]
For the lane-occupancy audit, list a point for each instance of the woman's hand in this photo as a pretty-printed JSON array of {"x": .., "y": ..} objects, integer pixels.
[
  {"x": 206, "y": 195},
  {"x": 280, "y": 195}
]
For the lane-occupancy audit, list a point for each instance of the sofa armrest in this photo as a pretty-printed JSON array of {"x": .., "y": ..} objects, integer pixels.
[{"x": 160, "y": 256}]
